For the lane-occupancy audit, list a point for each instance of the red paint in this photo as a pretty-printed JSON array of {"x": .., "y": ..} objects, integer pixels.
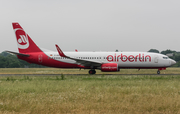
[
  {"x": 110, "y": 58},
  {"x": 123, "y": 58},
  {"x": 36, "y": 55},
  {"x": 60, "y": 51},
  {"x": 43, "y": 59},
  {"x": 136, "y": 58},
  {"x": 147, "y": 56},
  {"x": 109, "y": 67},
  {"x": 162, "y": 69},
  {"x": 24, "y": 39},
  {"x": 130, "y": 58}
]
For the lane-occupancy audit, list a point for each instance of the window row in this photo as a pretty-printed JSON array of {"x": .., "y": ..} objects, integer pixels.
[{"x": 99, "y": 58}]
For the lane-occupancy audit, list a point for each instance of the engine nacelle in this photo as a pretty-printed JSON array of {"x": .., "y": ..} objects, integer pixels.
[{"x": 109, "y": 67}]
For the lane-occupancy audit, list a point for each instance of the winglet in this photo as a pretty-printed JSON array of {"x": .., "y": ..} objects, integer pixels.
[{"x": 60, "y": 51}]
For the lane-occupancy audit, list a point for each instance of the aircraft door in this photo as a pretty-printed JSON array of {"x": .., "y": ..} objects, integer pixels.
[
  {"x": 156, "y": 59},
  {"x": 40, "y": 58},
  {"x": 103, "y": 59}
]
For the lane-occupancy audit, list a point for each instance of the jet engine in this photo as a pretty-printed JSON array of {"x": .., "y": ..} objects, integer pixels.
[{"x": 109, "y": 67}]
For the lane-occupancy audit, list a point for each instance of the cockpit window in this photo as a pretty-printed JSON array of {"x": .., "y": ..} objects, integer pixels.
[{"x": 165, "y": 57}]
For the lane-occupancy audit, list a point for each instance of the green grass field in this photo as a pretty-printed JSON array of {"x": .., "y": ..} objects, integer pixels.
[{"x": 89, "y": 94}]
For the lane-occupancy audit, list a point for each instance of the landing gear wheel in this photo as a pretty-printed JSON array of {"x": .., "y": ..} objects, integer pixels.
[
  {"x": 158, "y": 72},
  {"x": 92, "y": 72}
]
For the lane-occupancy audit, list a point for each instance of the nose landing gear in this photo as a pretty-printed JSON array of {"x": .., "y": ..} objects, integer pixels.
[
  {"x": 158, "y": 72},
  {"x": 92, "y": 71}
]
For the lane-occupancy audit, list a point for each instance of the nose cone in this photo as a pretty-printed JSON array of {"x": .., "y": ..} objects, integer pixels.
[{"x": 173, "y": 62}]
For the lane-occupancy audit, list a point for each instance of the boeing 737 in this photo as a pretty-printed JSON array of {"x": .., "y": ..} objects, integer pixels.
[{"x": 104, "y": 61}]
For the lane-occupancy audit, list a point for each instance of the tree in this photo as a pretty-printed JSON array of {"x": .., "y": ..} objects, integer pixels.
[
  {"x": 153, "y": 50},
  {"x": 168, "y": 51},
  {"x": 2, "y": 62},
  {"x": 116, "y": 50},
  {"x": 4, "y": 54}
]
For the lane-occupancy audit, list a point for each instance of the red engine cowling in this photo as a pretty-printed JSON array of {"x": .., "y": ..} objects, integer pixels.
[{"x": 109, "y": 67}]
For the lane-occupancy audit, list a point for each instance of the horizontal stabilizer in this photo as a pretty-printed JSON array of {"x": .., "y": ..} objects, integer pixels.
[{"x": 20, "y": 54}]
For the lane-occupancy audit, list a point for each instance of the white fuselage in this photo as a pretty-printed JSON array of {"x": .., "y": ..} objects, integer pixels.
[{"x": 123, "y": 59}]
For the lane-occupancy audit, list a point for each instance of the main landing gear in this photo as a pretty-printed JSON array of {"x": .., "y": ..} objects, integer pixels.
[{"x": 92, "y": 71}]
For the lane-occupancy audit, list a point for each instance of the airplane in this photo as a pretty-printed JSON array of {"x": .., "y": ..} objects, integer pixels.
[{"x": 104, "y": 61}]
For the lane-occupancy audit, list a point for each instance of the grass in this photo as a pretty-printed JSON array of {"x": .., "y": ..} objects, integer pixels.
[
  {"x": 93, "y": 94},
  {"x": 97, "y": 94}
]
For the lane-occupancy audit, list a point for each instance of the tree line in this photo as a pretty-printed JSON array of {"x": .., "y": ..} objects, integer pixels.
[{"x": 11, "y": 61}]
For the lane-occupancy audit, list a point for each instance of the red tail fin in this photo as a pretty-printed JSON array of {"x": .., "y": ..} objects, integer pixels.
[{"x": 25, "y": 43}]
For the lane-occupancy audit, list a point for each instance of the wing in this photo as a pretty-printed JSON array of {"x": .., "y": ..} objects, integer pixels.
[{"x": 79, "y": 61}]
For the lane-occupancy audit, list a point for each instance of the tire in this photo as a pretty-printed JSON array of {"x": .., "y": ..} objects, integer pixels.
[
  {"x": 158, "y": 72},
  {"x": 92, "y": 72}
]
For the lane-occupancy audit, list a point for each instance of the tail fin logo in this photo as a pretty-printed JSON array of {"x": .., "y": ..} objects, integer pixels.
[{"x": 22, "y": 38}]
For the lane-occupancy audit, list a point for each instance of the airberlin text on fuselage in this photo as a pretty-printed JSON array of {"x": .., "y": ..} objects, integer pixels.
[{"x": 130, "y": 58}]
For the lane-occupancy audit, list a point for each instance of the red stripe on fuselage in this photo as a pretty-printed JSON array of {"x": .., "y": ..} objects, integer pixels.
[{"x": 42, "y": 59}]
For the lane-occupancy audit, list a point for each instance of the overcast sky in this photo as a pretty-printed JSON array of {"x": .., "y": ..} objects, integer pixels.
[{"x": 93, "y": 25}]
